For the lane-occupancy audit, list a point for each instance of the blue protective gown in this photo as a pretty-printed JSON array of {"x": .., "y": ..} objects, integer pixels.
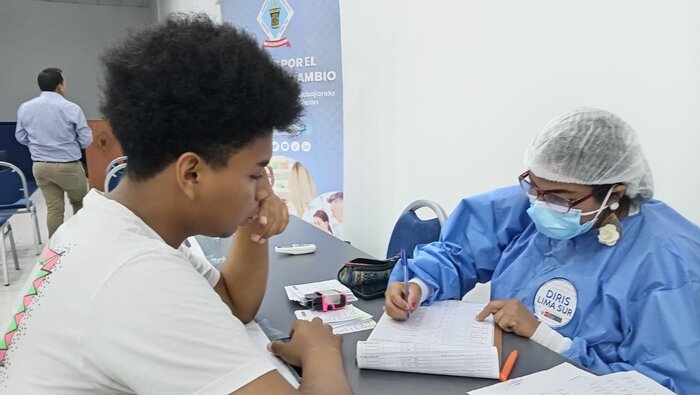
[{"x": 637, "y": 302}]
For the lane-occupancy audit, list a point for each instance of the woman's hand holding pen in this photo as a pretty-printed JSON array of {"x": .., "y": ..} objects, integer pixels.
[
  {"x": 512, "y": 316},
  {"x": 397, "y": 304}
]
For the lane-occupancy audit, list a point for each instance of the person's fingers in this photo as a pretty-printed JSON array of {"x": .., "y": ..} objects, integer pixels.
[
  {"x": 286, "y": 351},
  {"x": 489, "y": 309},
  {"x": 499, "y": 315},
  {"x": 395, "y": 312},
  {"x": 271, "y": 213},
  {"x": 502, "y": 319},
  {"x": 506, "y": 326},
  {"x": 255, "y": 234},
  {"x": 414, "y": 295},
  {"x": 271, "y": 228},
  {"x": 395, "y": 305},
  {"x": 263, "y": 211},
  {"x": 513, "y": 311},
  {"x": 281, "y": 219},
  {"x": 295, "y": 325},
  {"x": 276, "y": 218},
  {"x": 508, "y": 317},
  {"x": 396, "y": 298},
  {"x": 276, "y": 347},
  {"x": 285, "y": 213},
  {"x": 262, "y": 220}
]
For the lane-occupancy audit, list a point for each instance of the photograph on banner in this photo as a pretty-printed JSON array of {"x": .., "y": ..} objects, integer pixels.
[
  {"x": 303, "y": 37},
  {"x": 295, "y": 185}
]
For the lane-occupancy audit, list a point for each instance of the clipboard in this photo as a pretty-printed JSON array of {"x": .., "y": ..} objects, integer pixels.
[{"x": 498, "y": 343}]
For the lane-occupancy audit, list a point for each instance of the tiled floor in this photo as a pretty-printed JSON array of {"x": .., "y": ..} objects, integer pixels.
[{"x": 22, "y": 229}]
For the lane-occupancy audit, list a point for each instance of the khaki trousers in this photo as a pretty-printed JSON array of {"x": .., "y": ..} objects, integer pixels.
[{"x": 55, "y": 179}]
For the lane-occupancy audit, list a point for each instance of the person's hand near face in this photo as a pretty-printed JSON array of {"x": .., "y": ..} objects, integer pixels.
[{"x": 273, "y": 217}]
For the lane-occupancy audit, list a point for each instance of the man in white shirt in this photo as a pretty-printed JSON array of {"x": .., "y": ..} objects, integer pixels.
[{"x": 116, "y": 305}]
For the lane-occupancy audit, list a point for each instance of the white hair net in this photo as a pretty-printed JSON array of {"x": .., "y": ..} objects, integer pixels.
[{"x": 589, "y": 146}]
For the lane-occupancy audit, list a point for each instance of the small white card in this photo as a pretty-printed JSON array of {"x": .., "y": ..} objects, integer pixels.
[{"x": 297, "y": 292}]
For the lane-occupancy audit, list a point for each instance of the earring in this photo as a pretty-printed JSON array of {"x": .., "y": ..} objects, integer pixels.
[{"x": 614, "y": 206}]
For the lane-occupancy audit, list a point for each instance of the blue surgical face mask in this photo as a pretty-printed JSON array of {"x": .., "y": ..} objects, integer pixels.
[{"x": 562, "y": 226}]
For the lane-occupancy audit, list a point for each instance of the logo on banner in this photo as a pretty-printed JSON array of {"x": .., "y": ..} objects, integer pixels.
[
  {"x": 273, "y": 18},
  {"x": 555, "y": 302}
]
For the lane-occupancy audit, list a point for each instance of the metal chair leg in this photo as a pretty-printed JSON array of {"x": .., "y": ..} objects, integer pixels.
[
  {"x": 37, "y": 235},
  {"x": 36, "y": 225},
  {"x": 12, "y": 245},
  {"x": 4, "y": 260}
]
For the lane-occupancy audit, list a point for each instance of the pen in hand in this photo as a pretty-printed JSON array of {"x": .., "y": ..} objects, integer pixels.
[{"x": 405, "y": 280}]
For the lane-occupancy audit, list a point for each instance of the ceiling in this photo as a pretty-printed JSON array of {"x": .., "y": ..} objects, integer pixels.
[{"x": 117, "y": 3}]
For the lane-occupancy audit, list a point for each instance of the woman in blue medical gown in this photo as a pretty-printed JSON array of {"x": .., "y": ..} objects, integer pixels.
[{"x": 581, "y": 259}]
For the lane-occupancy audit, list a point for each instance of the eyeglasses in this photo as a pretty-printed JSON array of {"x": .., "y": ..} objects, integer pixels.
[{"x": 555, "y": 202}]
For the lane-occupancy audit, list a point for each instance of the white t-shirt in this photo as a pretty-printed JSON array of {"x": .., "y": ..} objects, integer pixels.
[{"x": 112, "y": 309}]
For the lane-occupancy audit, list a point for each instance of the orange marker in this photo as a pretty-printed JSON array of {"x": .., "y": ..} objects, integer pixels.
[{"x": 508, "y": 366}]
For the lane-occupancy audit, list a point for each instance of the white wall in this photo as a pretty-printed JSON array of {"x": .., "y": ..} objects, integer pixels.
[
  {"x": 35, "y": 35},
  {"x": 160, "y": 9},
  {"x": 442, "y": 97}
]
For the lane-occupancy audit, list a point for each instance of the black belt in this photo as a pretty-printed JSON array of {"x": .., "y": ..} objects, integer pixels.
[{"x": 45, "y": 161}]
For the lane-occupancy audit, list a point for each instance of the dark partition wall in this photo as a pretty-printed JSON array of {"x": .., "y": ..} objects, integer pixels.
[{"x": 15, "y": 153}]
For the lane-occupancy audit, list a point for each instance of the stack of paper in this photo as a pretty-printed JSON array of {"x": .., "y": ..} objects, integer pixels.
[
  {"x": 297, "y": 292},
  {"x": 349, "y": 319},
  {"x": 443, "y": 339},
  {"x": 566, "y": 379}
]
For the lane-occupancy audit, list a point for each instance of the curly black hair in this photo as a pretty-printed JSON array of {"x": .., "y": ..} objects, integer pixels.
[{"x": 191, "y": 85}]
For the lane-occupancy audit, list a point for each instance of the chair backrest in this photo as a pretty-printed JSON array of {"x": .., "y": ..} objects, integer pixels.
[
  {"x": 410, "y": 230},
  {"x": 113, "y": 177},
  {"x": 13, "y": 184},
  {"x": 116, "y": 161}
]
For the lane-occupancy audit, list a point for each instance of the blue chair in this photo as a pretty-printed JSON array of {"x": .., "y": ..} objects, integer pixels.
[
  {"x": 116, "y": 161},
  {"x": 14, "y": 197},
  {"x": 6, "y": 231},
  {"x": 113, "y": 176},
  {"x": 410, "y": 230}
]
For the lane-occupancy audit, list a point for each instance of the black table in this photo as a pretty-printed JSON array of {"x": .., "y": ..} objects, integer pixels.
[{"x": 324, "y": 264}]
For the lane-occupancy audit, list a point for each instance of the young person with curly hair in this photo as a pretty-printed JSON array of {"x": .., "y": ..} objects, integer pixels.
[{"x": 118, "y": 305}]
